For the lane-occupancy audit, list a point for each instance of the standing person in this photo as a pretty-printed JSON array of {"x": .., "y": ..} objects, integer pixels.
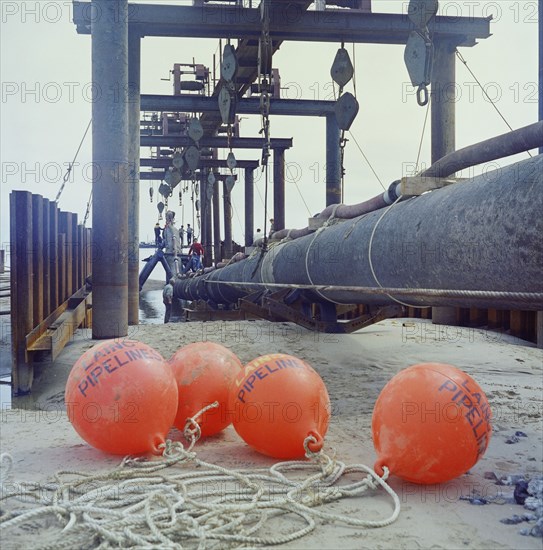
[
  {"x": 272, "y": 228},
  {"x": 167, "y": 298},
  {"x": 171, "y": 243},
  {"x": 196, "y": 253},
  {"x": 189, "y": 234},
  {"x": 181, "y": 235},
  {"x": 158, "y": 238}
]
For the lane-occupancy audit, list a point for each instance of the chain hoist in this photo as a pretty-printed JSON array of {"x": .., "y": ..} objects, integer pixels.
[
  {"x": 265, "y": 54},
  {"x": 346, "y": 108},
  {"x": 418, "y": 54}
]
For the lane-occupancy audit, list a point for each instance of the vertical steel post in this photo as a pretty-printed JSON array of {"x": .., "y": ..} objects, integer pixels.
[
  {"x": 539, "y": 317},
  {"x": 216, "y": 224},
  {"x": 278, "y": 189},
  {"x": 333, "y": 164},
  {"x": 134, "y": 102},
  {"x": 443, "y": 101},
  {"x": 541, "y": 67},
  {"x": 111, "y": 170},
  {"x": 249, "y": 206},
  {"x": 443, "y": 131},
  {"x": 227, "y": 206}
]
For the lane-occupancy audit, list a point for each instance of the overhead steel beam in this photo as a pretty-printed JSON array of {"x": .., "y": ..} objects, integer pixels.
[
  {"x": 215, "y": 142},
  {"x": 246, "y": 106},
  {"x": 205, "y": 163},
  {"x": 159, "y": 175},
  {"x": 288, "y": 22}
]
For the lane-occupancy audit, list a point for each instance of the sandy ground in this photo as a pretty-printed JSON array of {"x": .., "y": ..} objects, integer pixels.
[{"x": 354, "y": 368}]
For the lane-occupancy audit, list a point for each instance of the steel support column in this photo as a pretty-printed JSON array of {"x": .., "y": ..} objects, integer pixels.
[
  {"x": 216, "y": 224},
  {"x": 333, "y": 162},
  {"x": 134, "y": 83},
  {"x": 227, "y": 205},
  {"x": 278, "y": 189},
  {"x": 205, "y": 215},
  {"x": 249, "y": 205},
  {"x": 541, "y": 67},
  {"x": 443, "y": 129},
  {"x": 443, "y": 101},
  {"x": 111, "y": 170}
]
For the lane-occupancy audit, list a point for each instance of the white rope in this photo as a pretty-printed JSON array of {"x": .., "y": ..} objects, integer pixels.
[
  {"x": 154, "y": 503},
  {"x": 371, "y": 263},
  {"x": 319, "y": 230}
]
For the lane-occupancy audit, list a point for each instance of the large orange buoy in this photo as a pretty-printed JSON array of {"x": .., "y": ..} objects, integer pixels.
[
  {"x": 431, "y": 423},
  {"x": 278, "y": 401},
  {"x": 121, "y": 397},
  {"x": 204, "y": 372}
]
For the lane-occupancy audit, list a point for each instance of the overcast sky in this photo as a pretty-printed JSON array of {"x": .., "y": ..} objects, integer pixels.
[{"x": 45, "y": 108}]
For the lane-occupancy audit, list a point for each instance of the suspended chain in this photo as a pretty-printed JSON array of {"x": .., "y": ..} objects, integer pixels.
[
  {"x": 265, "y": 54},
  {"x": 346, "y": 109}
]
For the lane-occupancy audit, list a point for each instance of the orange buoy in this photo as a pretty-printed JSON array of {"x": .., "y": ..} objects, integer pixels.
[
  {"x": 431, "y": 423},
  {"x": 278, "y": 401},
  {"x": 204, "y": 372},
  {"x": 121, "y": 397}
]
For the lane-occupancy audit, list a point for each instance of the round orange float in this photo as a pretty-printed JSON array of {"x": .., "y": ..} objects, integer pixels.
[
  {"x": 121, "y": 397},
  {"x": 431, "y": 423},
  {"x": 204, "y": 372},
  {"x": 278, "y": 401}
]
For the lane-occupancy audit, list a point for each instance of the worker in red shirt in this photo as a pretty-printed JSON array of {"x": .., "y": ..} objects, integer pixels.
[{"x": 196, "y": 253}]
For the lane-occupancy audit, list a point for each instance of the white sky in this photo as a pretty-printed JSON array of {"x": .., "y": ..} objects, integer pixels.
[{"x": 40, "y": 132}]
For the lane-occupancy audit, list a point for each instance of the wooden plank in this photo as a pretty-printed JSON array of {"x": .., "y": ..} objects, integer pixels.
[
  {"x": 495, "y": 318},
  {"x": 36, "y": 333},
  {"x": 37, "y": 259},
  {"x": 417, "y": 185},
  {"x": 75, "y": 253},
  {"x": 517, "y": 324},
  {"x": 539, "y": 329},
  {"x": 61, "y": 261},
  {"x": 65, "y": 334},
  {"x": 80, "y": 256},
  {"x": 22, "y": 372},
  {"x": 40, "y": 337},
  {"x": 477, "y": 317},
  {"x": 65, "y": 226},
  {"x": 54, "y": 283},
  {"x": 46, "y": 259}
]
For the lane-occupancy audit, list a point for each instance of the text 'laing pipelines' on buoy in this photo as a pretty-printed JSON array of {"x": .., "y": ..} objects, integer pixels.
[
  {"x": 262, "y": 369},
  {"x": 274, "y": 400},
  {"x": 477, "y": 411},
  {"x": 103, "y": 363}
]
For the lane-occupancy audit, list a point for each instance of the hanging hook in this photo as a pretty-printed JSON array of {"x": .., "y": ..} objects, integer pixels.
[{"x": 422, "y": 95}]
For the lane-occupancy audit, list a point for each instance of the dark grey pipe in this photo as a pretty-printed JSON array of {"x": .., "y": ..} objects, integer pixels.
[
  {"x": 504, "y": 145},
  {"x": 511, "y": 143},
  {"x": 484, "y": 234}
]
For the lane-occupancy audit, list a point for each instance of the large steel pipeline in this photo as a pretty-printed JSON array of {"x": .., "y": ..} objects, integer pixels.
[
  {"x": 483, "y": 234},
  {"x": 504, "y": 145}
]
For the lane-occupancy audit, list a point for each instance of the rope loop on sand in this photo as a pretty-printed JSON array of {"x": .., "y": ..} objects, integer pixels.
[{"x": 180, "y": 501}]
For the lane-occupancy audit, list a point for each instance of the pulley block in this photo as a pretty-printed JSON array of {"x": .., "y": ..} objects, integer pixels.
[
  {"x": 231, "y": 161},
  {"x": 346, "y": 109},
  {"x": 229, "y": 182},
  {"x": 178, "y": 161},
  {"x": 195, "y": 130},
  {"x": 421, "y": 11},
  {"x": 192, "y": 157},
  {"x": 229, "y": 65},
  {"x": 227, "y": 106},
  {"x": 342, "y": 69}
]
